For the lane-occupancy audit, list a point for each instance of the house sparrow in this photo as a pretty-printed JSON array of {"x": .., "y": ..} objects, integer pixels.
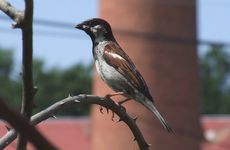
[{"x": 116, "y": 68}]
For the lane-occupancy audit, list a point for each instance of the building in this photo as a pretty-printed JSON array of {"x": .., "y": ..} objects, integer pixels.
[{"x": 74, "y": 133}]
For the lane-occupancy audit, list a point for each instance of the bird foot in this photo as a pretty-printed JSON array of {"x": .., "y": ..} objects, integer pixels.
[
  {"x": 123, "y": 101},
  {"x": 108, "y": 97},
  {"x": 107, "y": 110},
  {"x": 101, "y": 109}
]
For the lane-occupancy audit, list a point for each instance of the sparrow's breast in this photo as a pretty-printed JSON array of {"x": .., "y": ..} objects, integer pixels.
[{"x": 108, "y": 73}]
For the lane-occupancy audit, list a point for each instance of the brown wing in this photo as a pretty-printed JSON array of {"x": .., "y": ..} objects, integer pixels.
[{"x": 117, "y": 58}]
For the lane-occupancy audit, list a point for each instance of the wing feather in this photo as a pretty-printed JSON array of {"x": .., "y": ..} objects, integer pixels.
[{"x": 117, "y": 58}]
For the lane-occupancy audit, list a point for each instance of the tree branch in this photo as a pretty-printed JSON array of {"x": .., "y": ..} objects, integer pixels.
[
  {"x": 83, "y": 99},
  {"x": 27, "y": 61},
  {"x": 24, "y": 20},
  {"x": 12, "y": 12},
  {"x": 24, "y": 128}
]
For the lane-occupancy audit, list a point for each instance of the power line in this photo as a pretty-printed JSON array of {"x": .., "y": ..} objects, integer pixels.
[
  {"x": 150, "y": 36},
  {"x": 43, "y": 22},
  {"x": 56, "y": 24},
  {"x": 51, "y": 34}
]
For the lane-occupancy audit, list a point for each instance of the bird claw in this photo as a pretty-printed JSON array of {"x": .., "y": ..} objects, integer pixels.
[
  {"x": 119, "y": 120},
  {"x": 113, "y": 116},
  {"x": 134, "y": 139},
  {"x": 101, "y": 109},
  {"x": 107, "y": 110},
  {"x": 135, "y": 119}
]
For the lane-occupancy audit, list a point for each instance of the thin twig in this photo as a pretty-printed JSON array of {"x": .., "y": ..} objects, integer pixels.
[
  {"x": 12, "y": 12},
  {"x": 24, "y": 127},
  {"x": 75, "y": 101}
]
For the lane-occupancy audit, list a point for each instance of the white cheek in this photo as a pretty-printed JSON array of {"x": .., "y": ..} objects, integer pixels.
[{"x": 92, "y": 29}]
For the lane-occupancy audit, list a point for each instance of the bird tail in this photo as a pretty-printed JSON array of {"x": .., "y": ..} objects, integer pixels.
[{"x": 147, "y": 103}]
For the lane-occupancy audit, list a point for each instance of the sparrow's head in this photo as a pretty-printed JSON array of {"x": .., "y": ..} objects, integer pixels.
[{"x": 98, "y": 29}]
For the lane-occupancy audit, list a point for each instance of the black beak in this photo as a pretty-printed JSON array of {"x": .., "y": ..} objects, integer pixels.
[
  {"x": 82, "y": 26},
  {"x": 79, "y": 26}
]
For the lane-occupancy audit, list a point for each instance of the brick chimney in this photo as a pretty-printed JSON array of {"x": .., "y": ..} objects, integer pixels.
[{"x": 146, "y": 30}]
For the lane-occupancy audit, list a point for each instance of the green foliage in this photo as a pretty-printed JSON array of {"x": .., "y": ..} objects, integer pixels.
[
  {"x": 215, "y": 71},
  {"x": 56, "y": 84},
  {"x": 6, "y": 62},
  {"x": 53, "y": 84},
  {"x": 9, "y": 89}
]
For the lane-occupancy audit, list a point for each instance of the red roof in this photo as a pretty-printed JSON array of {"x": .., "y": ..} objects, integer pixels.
[
  {"x": 216, "y": 132},
  {"x": 71, "y": 133},
  {"x": 64, "y": 133}
]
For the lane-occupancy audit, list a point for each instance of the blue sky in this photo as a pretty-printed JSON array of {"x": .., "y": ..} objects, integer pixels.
[{"x": 61, "y": 47}]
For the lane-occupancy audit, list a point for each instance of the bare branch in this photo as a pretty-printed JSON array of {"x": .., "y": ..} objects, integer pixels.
[
  {"x": 24, "y": 127},
  {"x": 12, "y": 12},
  {"x": 28, "y": 90},
  {"x": 24, "y": 20},
  {"x": 75, "y": 101}
]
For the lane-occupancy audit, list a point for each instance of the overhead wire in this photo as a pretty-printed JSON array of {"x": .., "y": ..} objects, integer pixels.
[
  {"x": 51, "y": 34},
  {"x": 70, "y": 26}
]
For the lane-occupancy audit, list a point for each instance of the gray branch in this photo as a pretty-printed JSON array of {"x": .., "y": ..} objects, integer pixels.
[
  {"x": 24, "y": 127},
  {"x": 28, "y": 90},
  {"x": 12, "y": 12},
  {"x": 24, "y": 20},
  {"x": 75, "y": 101}
]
